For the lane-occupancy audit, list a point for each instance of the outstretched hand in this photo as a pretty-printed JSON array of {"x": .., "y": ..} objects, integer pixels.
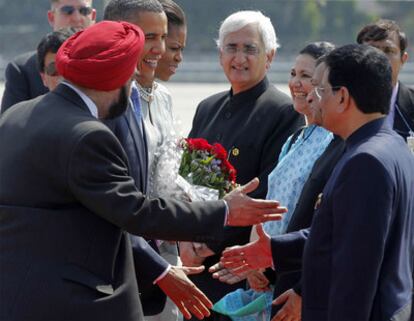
[
  {"x": 246, "y": 211},
  {"x": 252, "y": 256},
  {"x": 185, "y": 295}
]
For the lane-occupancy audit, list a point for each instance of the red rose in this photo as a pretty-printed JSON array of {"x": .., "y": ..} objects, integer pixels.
[
  {"x": 219, "y": 151},
  {"x": 198, "y": 144}
]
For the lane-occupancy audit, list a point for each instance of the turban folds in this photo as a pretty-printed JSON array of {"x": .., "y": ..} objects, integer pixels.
[{"x": 103, "y": 56}]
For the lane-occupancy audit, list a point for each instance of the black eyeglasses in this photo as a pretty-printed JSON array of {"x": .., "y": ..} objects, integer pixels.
[
  {"x": 51, "y": 70},
  {"x": 69, "y": 10},
  {"x": 319, "y": 91}
]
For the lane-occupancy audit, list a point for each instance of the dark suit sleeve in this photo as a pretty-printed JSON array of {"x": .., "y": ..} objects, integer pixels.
[
  {"x": 287, "y": 250},
  {"x": 97, "y": 176},
  {"x": 362, "y": 213},
  {"x": 149, "y": 265}
]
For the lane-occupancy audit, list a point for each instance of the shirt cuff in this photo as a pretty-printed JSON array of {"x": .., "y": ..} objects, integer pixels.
[
  {"x": 226, "y": 215},
  {"x": 163, "y": 274}
]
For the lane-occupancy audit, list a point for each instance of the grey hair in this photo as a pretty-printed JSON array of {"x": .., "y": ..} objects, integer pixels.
[
  {"x": 127, "y": 9},
  {"x": 241, "y": 19}
]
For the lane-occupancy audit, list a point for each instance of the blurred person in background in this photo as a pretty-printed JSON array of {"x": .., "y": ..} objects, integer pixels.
[
  {"x": 175, "y": 41},
  {"x": 46, "y": 54},
  {"x": 22, "y": 77},
  {"x": 388, "y": 37}
]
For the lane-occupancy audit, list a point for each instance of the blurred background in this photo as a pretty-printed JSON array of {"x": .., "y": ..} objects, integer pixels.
[{"x": 24, "y": 22}]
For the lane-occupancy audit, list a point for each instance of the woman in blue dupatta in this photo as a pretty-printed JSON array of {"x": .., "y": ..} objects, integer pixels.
[{"x": 285, "y": 184}]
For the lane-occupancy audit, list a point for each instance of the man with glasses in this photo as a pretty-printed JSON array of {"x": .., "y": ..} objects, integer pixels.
[
  {"x": 252, "y": 121},
  {"x": 23, "y": 80}
]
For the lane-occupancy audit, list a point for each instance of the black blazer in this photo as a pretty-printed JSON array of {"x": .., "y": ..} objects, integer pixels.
[
  {"x": 66, "y": 201},
  {"x": 253, "y": 126},
  {"x": 23, "y": 80},
  {"x": 405, "y": 103}
]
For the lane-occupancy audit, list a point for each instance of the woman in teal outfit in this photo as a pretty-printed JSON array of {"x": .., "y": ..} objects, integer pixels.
[{"x": 285, "y": 182}]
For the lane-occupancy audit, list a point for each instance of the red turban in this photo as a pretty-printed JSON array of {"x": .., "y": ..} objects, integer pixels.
[{"x": 103, "y": 56}]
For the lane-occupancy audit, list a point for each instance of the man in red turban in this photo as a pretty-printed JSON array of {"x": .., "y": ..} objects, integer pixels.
[
  {"x": 67, "y": 200},
  {"x": 102, "y": 58}
]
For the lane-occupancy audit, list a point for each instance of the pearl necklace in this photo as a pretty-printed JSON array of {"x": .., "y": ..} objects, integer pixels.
[{"x": 147, "y": 93}]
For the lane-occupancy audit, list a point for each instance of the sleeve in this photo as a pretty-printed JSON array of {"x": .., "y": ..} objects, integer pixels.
[
  {"x": 16, "y": 86},
  {"x": 287, "y": 250},
  {"x": 149, "y": 265},
  {"x": 362, "y": 211},
  {"x": 97, "y": 176}
]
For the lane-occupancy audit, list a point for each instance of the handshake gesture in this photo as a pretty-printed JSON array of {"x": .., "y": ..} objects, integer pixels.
[
  {"x": 246, "y": 211},
  {"x": 252, "y": 256}
]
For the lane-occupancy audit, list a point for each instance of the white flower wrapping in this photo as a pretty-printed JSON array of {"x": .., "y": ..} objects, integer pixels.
[{"x": 165, "y": 182}]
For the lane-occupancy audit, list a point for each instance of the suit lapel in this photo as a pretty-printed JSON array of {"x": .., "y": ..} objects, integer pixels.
[{"x": 140, "y": 145}]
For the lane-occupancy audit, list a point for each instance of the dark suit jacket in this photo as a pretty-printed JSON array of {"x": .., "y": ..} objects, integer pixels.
[
  {"x": 255, "y": 124},
  {"x": 288, "y": 269},
  {"x": 23, "y": 80},
  {"x": 149, "y": 265},
  {"x": 65, "y": 201},
  {"x": 405, "y": 103},
  {"x": 357, "y": 262}
]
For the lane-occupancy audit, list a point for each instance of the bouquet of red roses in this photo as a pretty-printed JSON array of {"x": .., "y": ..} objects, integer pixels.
[{"x": 207, "y": 165}]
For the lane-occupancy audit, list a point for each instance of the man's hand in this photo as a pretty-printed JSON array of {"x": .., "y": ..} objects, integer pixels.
[
  {"x": 225, "y": 275},
  {"x": 292, "y": 308},
  {"x": 252, "y": 256},
  {"x": 194, "y": 254},
  {"x": 246, "y": 211},
  {"x": 258, "y": 281},
  {"x": 186, "y": 296}
]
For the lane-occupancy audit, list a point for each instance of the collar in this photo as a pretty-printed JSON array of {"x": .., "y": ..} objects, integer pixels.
[
  {"x": 394, "y": 95},
  {"x": 250, "y": 94},
  {"x": 88, "y": 102},
  {"x": 365, "y": 131}
]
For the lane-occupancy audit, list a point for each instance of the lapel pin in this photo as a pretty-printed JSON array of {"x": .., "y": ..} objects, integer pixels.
[{"x": 235, "y": 152}]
